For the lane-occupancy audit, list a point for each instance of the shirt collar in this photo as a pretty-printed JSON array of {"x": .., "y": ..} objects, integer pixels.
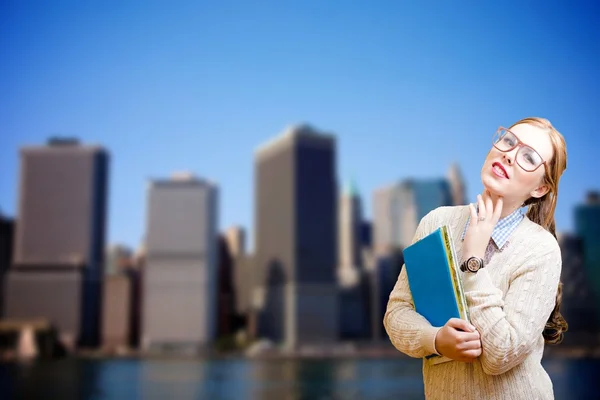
[{"x": 504, "y": 227}]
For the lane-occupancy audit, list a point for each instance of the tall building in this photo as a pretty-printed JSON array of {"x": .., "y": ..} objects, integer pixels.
[
  {"x": 398, "y": 209},
  {"x": 296, "y": 237},
  {"x": 457, "y": 185},
  {"x": 354, "y": 303},
  {"x": 180, "y": 280},
  {"x": 226, "y": 294},
  {"x": 235, "y": 237},
  {"x": 6, "y": 248},
  {"x": 59, "y": 239},
  {"x": 117, "y": 312},
  {"x": 350, "y": 226},
  {"x": 587, "y": 227},
  {"x": 579, "y": 304},
  {"x": 117, "y": 258}
]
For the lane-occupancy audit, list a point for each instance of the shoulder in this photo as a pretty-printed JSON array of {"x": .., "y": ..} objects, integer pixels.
[
  {"x": 538, "y": 249},
  {"x": 540, "y": 239},
  {"x": 445, "y": 215}
]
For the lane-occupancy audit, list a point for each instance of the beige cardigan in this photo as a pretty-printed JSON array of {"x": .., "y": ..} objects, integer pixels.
[{"x": 509, "y": 301}]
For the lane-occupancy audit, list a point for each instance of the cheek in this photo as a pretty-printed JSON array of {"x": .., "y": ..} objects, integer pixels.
[{"x": 528, "y": 180}]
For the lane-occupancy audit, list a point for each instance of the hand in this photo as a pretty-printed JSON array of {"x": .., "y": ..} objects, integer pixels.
[
  {"x": 458, "y": 340},
  {"x": 481, "y": 226}
]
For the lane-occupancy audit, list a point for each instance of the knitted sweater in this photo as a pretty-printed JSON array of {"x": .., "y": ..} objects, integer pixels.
[{"x": 509, "y": 302}]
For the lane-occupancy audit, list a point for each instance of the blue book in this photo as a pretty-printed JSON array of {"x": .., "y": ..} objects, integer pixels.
[{"x": 433, "y": 276}]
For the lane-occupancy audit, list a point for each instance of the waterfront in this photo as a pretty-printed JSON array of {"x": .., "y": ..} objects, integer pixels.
[{"x": 228, "y": 379}]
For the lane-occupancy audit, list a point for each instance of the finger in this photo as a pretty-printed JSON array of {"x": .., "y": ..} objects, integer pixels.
[
  {"x": 461, "y": 324},
  {"x": 481, "y": 206},
  {"x": 471, "y": 354},
  {"x": 464, "y": 337},
  {"x": 473, "y": 221},
  {"x": 470, "y": 345}
]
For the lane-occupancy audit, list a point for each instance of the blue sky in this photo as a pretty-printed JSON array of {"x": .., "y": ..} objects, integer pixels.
[{"x": 407, "y": 87}]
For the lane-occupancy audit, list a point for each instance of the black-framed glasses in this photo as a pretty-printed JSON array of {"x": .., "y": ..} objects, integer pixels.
[{"x": 527, "y": 158}]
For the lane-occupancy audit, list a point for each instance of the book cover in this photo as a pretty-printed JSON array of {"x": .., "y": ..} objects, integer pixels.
[{"x": 433, "y": 277}]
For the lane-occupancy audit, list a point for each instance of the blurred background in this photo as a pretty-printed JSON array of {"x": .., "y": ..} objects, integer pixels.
[{"x": 210, "y": 200}]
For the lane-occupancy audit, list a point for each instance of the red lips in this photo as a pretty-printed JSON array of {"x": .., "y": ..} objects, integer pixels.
[{"x": 497, "y": 164}]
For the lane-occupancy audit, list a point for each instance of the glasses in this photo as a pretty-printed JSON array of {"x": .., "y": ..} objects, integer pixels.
[{"x": 527, "y": 158}]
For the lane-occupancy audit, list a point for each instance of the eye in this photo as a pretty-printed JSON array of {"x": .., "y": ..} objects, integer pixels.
[
  {"x": 509, "y": 140},
  {"x": 531, "y": 157}
]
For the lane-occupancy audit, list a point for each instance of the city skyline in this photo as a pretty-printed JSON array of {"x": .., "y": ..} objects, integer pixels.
[
  {"x": 200, "y": 87},
  {"x": 365, "y": 198}
]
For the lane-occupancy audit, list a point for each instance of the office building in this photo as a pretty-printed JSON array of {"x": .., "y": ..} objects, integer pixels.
[
  {"x": 118, "y": 258},
  {"x": 398, "y": 209},
  {"x": 354, "y": 302},
  {"x": 458, "y": 187},
  {"x": 587, "y": 227},
  {"x": 296, "y": 237},
  {"x": 60, "y": 238},
  {"x": 117, "y": 312},
  {"x": 350, "y": 228},
  {"x": 579, "y": 299},
  {"x": 180, "y": 278},
  {"x": 226, "y": 293},
  {"x": 6, "y": 248},
  {"x": 235, "y": 238}
]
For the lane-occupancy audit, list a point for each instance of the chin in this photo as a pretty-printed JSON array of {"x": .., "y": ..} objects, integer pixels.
[{"x": 493, "y": 186}]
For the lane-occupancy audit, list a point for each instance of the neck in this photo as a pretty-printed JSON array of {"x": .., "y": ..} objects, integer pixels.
[{"x": 508, "y": 206}]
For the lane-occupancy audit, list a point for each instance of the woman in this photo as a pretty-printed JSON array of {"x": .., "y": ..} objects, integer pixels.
[{"x": 510, "y": 268}]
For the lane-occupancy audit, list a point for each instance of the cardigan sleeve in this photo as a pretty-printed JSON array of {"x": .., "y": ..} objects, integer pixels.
[
  {"x": 408, "y": 330},
  {"x": 511, "y": 325}
]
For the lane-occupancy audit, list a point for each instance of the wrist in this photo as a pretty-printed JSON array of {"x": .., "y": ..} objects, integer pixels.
[
  {"x": 472, "y": 264},
  {"x": 435, "y": 343},
  {"x": 428, "y": 339}
]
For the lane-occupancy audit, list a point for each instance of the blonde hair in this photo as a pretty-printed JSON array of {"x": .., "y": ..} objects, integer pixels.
[{"x": 541, "y": 211}]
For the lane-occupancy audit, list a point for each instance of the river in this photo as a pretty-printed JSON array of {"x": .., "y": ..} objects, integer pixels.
[{"x": 228, "y": 379}]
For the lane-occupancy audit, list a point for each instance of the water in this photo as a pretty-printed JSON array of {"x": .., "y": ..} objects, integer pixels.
[{"x": 248, "y": 379}]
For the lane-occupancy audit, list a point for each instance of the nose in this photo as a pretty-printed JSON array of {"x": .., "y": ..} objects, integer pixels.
[{"x": 510, "y": 156}]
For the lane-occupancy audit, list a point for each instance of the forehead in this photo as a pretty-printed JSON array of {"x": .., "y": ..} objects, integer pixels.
[{"x": 536, "y": 137}]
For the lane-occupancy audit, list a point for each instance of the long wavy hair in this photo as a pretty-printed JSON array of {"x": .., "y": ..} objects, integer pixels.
[{"x": 541, "y": 211}]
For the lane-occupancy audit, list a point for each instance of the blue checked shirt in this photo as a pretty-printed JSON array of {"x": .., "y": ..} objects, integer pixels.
[{"x": 504, "y": 227}]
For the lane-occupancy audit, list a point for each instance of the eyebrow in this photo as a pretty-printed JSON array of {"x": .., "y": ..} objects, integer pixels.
[{"x": 531, "y": 147}]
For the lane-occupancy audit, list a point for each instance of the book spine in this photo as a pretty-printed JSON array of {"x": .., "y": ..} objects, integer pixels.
[{"x": 456, "y": 280}]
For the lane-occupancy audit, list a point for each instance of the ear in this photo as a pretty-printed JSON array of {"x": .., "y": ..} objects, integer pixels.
[{"x": 540, "y": 191}]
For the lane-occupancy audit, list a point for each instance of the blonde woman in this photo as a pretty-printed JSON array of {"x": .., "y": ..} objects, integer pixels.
[{"x": 510, "y": 268}]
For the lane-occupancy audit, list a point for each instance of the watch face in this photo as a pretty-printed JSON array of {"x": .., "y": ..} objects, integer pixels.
[{"x": 473, "y": 265}]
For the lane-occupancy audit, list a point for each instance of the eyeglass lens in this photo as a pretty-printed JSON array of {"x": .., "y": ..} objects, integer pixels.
[{"x": 526, "y": 157}]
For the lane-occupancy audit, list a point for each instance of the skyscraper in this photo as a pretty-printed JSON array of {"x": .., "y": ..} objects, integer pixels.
[
  {"x": 296, "y": 236},
  {"x": 398, "y": 209},
  {"x": 180, "y": 280},
  {"x": 226, "y": 294},
  {"x": 457, "y": 185},
  {"x": 579, "y": 299},
  {"x": 6, "y": 248},
  {"x": 59, "y": 239},
  {"x": 117, "y": 257},
  {"x": 354, "y": 304},
  {"x": 235, "y": 237},
  {"x": 587, "y": 227},
  {"x": 117, "y": 312},
  {"x": 350, "y": 226}
]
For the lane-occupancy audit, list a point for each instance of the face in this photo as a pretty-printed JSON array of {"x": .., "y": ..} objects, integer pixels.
[{"x": 501, "y": 174}]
